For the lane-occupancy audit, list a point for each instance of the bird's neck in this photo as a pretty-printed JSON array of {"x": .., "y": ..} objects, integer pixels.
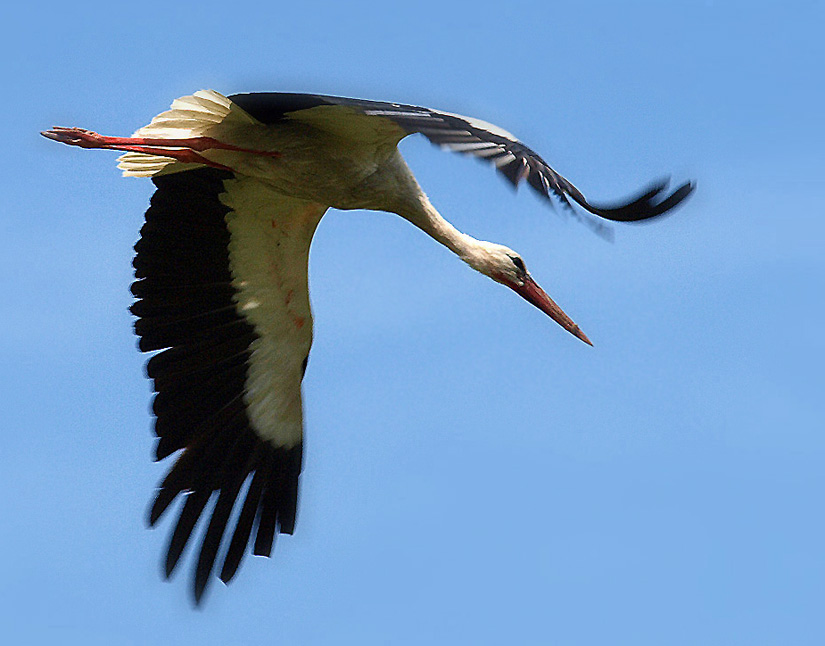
[
  {"x": 428, "y": 219},
  {"x": 413, "y": 205},
  {"x": 475, "y": 253}
]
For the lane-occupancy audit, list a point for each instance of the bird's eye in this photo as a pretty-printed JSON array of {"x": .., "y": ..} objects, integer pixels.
[{"x": 519, "y": 263}]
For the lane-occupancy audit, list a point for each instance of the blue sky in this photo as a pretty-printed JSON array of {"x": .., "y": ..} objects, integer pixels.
[{"x": 473, "y": 474}]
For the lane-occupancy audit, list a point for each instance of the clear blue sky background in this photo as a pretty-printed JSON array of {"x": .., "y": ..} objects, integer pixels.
[{"x": 473, "y": 474}]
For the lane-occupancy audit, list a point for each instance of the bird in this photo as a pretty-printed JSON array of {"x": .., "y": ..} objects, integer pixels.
[{"x": 221, "y": 280}]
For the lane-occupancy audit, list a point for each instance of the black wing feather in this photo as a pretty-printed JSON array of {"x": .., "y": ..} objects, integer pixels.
[
  {"x": 243, "y": 528},
  {"x": 186, "y": 309}
]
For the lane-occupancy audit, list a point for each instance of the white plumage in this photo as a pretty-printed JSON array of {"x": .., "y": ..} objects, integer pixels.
[
  {"x": 221, "y": 278},
  {"x": 270, "y": 236}
]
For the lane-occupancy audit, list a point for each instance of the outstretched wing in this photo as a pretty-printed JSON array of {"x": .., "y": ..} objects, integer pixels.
[
  {"x": 513, "y": 159},
  {"x": 221, "y": 287}
]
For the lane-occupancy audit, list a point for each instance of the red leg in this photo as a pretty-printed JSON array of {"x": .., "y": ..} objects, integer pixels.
[{"x": 88, "y": 139}]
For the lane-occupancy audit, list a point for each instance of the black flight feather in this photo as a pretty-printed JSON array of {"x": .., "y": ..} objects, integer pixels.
[{"x": 186, "y": 310}]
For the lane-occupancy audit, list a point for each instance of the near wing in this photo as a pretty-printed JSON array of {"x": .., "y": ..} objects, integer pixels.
[{"x": 233, "y": 348}]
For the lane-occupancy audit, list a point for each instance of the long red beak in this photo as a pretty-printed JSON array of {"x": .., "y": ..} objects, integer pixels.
[{"x": 531, "y": 292}]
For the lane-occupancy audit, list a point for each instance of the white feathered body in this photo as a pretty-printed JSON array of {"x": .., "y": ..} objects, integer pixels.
[{"x": 328, "y": 154}]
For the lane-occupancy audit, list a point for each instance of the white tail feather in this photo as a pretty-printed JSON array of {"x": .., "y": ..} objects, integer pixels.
[
  {"x": 191, "y": 116},
  {"x": 142, "y": 165}
]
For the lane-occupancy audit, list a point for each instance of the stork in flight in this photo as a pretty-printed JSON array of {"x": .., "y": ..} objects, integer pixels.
[{"x": 221, "y": 278}]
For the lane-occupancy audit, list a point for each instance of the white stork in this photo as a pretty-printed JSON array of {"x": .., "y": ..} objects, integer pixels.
[{"x": 221, "y": 278}]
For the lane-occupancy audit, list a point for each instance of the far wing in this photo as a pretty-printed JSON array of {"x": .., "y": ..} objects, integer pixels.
[
  {"x": 221, "y": 283},
  {"x": 513, "y": 159}
]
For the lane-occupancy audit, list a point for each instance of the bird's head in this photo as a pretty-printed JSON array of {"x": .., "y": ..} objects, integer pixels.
[{"x": 505, "y": 266}]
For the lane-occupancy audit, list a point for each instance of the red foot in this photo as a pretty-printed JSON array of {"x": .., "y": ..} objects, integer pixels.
[{"x": 74, "y": 137}]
